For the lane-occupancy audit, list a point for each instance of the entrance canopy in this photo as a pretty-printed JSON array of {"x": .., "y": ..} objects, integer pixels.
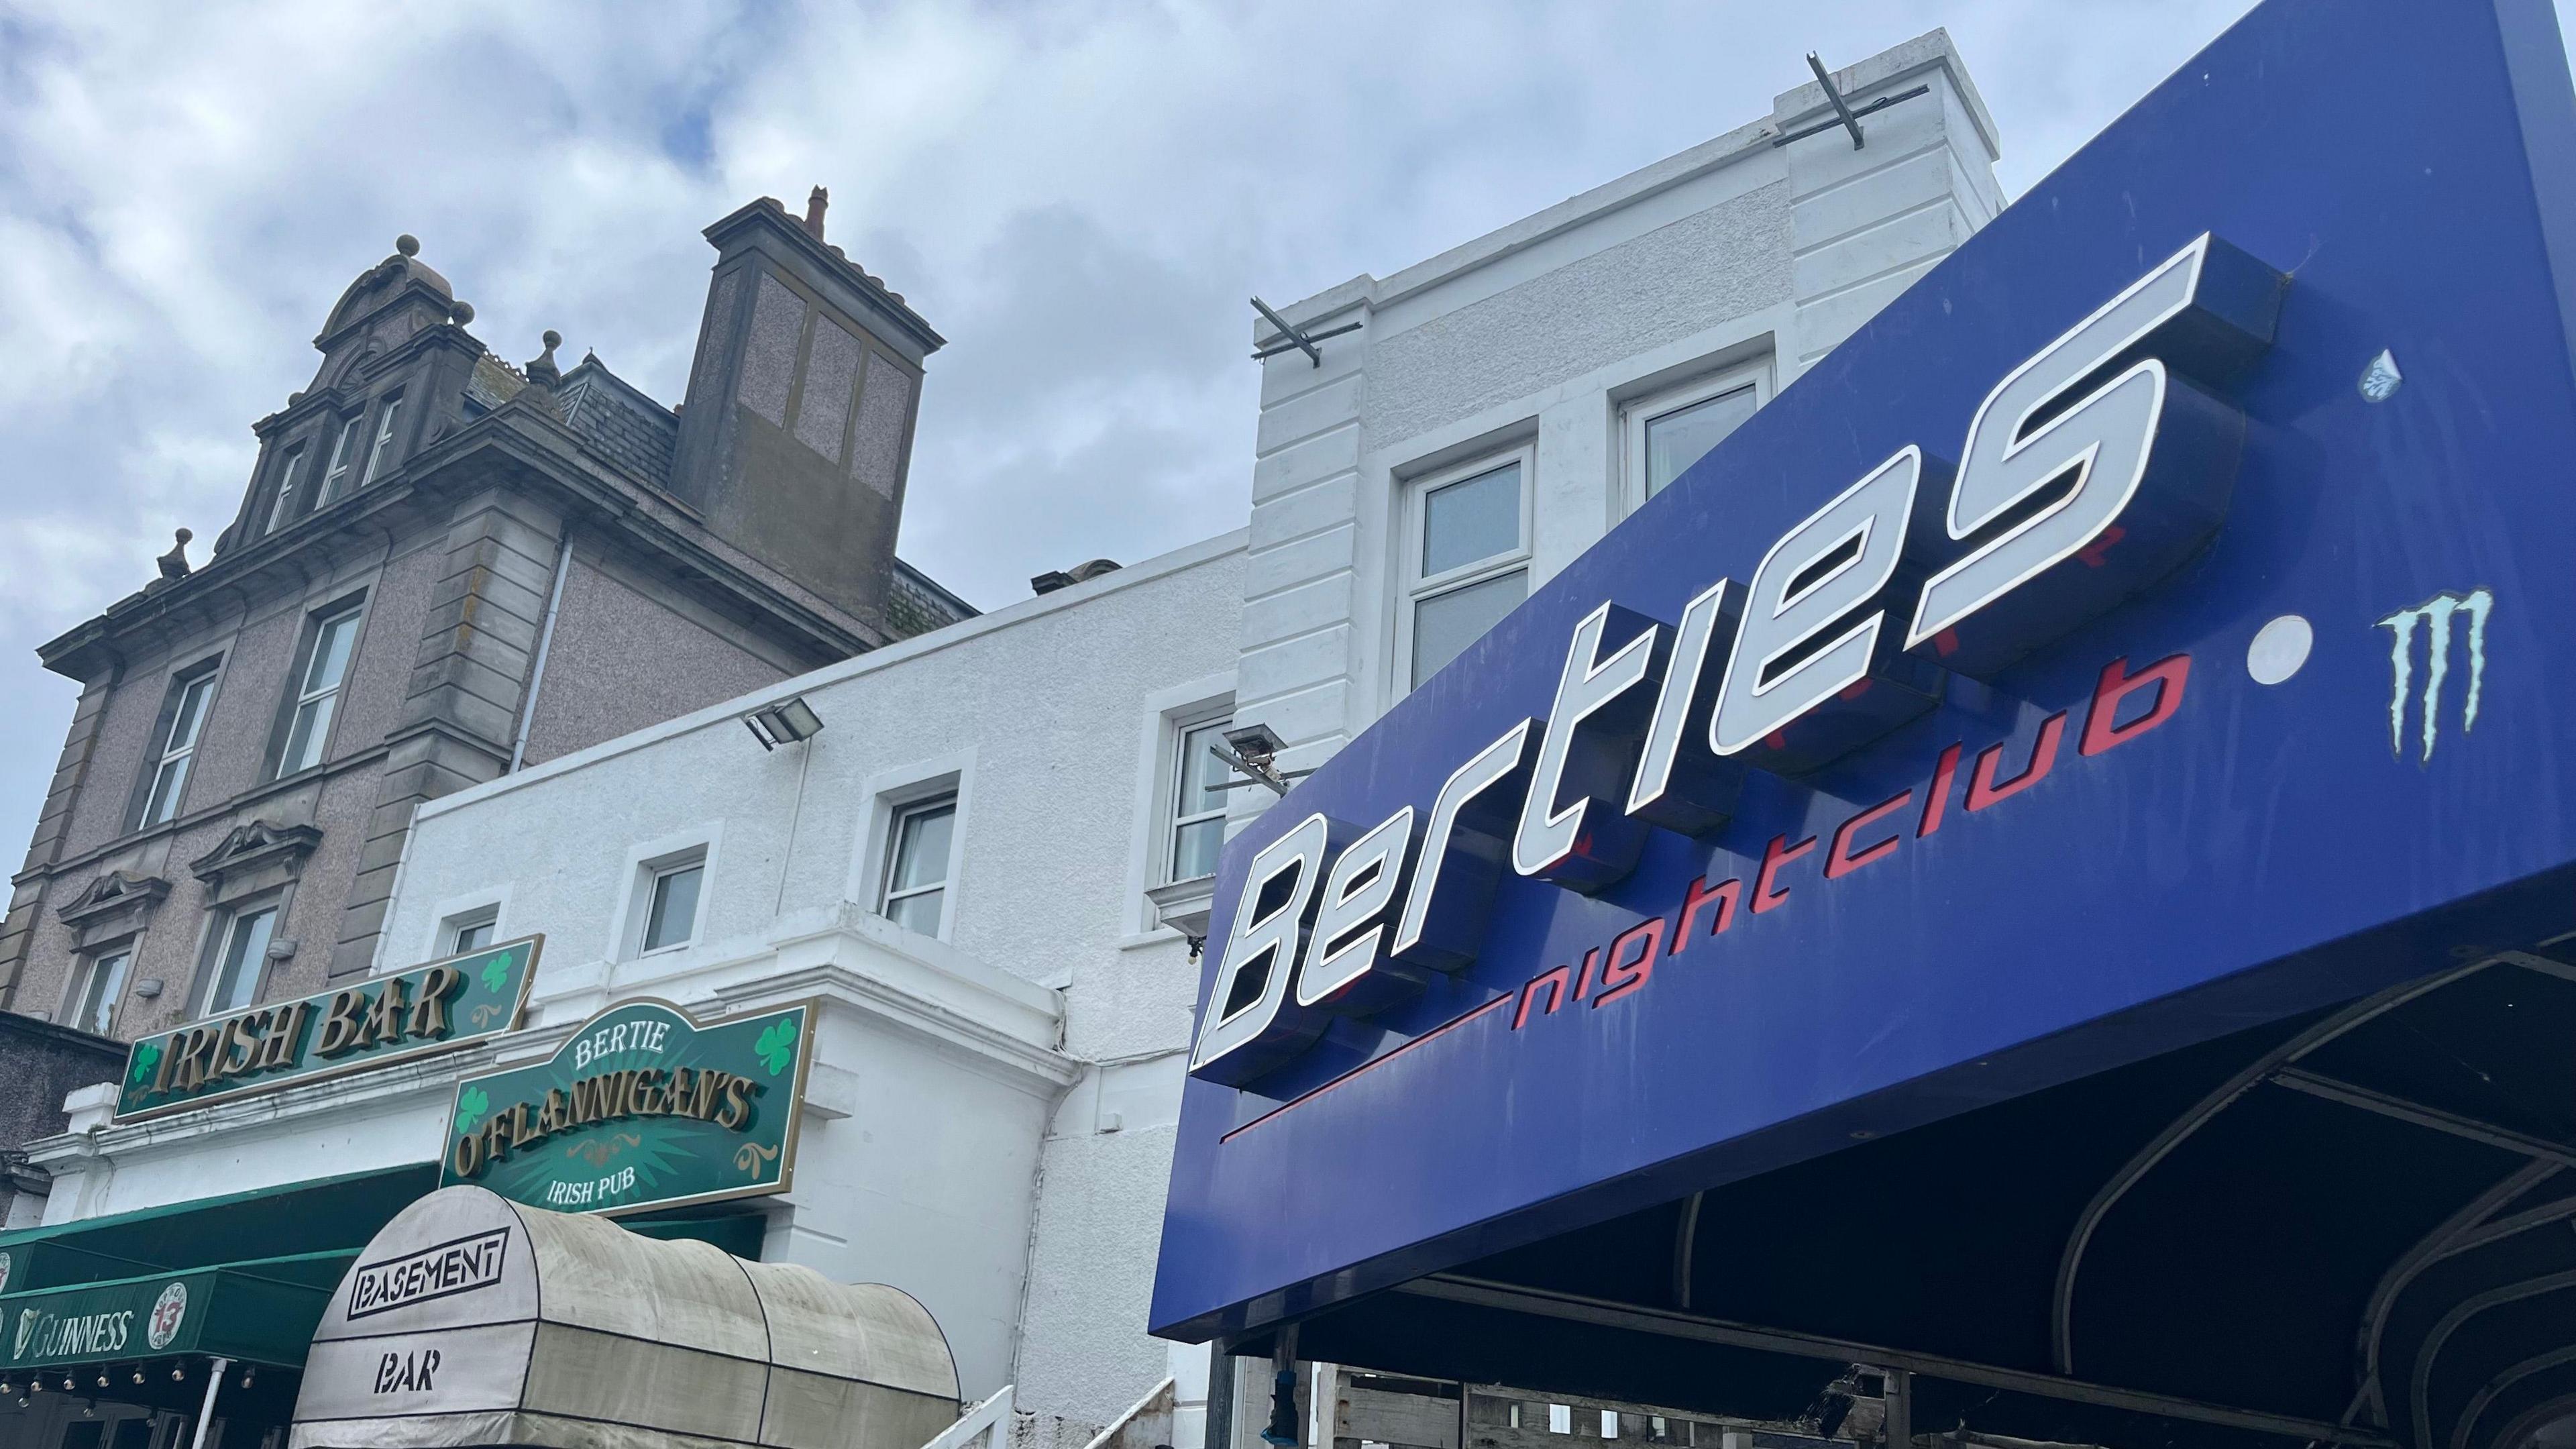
[
  {"x": 242, "y": 1277},
  {"x": 2040, "y": 863},
  {"x": 471, "y": 1320}
]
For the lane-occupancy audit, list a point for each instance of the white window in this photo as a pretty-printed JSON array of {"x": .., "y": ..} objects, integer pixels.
[
  {"x": 471, "y": 931},
  {"x": 241, "y": 958},
  {"x": 102, "y": 986},
  {"x": 317, "y": 695},
  {"x": 290, "y": 476},
  {"x": 1560, "y": 1418},
  {"x": 1197, "y": 823},
  {"x": 1466, "y": 560},
  {"x": 916, "y": 884},
  {"x": 178, "y": 747},
  {"x": 1668, "y": 432},
  {"x": 344, "y": 448},
  {"x": 670, "y": 905},
  {"x": 1609, "y": 1423},
  {"x": 382, "y": 448}
]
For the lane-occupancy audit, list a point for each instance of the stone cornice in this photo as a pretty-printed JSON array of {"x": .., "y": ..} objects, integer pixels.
[
  {"x": 113, "y": 892},
  {"x": 513, "y": 446}
]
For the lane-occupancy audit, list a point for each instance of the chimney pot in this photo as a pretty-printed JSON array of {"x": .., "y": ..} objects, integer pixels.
[{"x": 814, "y": 207}]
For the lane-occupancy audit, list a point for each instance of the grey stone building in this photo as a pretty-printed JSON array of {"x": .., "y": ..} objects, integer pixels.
[{"x": 445, "y": 568}]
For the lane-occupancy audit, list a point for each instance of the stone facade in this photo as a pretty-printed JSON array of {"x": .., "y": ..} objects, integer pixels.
[{"x": 530, "y": 563}]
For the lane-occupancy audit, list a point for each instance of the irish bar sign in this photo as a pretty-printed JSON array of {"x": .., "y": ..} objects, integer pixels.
[
  {"x": 433, "y": 1008},
  {"x": 640, "y": 1108}
]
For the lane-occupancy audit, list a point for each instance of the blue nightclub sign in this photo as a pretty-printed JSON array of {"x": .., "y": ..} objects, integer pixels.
[{"x": 2152, "y": 624}]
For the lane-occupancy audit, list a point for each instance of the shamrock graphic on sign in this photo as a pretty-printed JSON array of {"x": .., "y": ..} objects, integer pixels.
[
  {"x": 146, "y": 1057},
  {"x": 470, "y": 1107},
  {"x": 496, "y": 973},
  {"x": 777, "y": 1045}
]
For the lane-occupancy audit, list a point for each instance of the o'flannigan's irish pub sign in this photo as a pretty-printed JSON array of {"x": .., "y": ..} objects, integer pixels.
[
  {"x": 372, "y": 1023},
  {"x": 641, "y": 1107}
]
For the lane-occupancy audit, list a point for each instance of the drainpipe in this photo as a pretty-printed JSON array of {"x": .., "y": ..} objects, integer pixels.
[
  {"x": 545, "y": 640},
  {"x": 206, "y": 1410}
]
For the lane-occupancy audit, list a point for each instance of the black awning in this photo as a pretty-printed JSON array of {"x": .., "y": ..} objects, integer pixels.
[{"x": 2359, "y": 1224}]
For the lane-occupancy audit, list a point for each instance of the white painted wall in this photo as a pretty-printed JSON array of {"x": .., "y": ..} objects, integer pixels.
[
  {"x": 1733, "y": 254},
  {"x": 1036, "y": 1038}
]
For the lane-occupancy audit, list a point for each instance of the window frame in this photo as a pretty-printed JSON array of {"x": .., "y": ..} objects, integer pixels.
[
  {"x": 221, "y": 927},
  {"x": 646, "y": 861},
  {"x": 1636, "y": 412},
  {"x": 299, "y": 694},
  {"x": 1416, "y": 588},
  {"x": 903, "y": 815},
  {"x": 452, "y": 929},
  {"x": 658, "y": 876},
  {"x": 77, "y": 1004},
  {"x": 290, "y": 472},
  {"x": 336, "y": 466},
  {"x": 388, "y": 413},
  {"x": 182, "y": 682},
  {"x": 1169, "y": 818}
]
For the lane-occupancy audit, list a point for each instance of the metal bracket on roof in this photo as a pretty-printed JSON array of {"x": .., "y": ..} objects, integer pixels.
[
  {"x": 1290, "y": 338},
  {"x": 1844, "y": 115}
]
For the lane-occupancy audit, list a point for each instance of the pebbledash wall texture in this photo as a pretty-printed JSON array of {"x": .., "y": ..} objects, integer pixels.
[{"x": 443, "y": 568}]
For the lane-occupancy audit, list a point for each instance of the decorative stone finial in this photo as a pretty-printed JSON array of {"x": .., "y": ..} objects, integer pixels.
[
  {"x": 174, "y": 564},
  {"x": 814, "y": 206},
  {"x": 461, "y": 313},
  {"x": 543, "y": 375},
  {"x": 407, "y": 244}
]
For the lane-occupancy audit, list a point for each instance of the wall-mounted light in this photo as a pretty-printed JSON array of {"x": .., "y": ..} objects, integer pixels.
[{"x": 783, "y": 723}]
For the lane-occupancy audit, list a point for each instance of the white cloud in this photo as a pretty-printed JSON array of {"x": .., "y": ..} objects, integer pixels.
[{"x": 1079, "y": 196}]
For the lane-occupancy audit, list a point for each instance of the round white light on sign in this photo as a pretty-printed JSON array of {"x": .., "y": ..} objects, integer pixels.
[{"x": 2279, "y": 649}]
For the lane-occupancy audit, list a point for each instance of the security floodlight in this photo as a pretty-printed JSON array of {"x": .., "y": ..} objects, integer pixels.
[
  {"x": 1250, "y": 750},
  {"x": 783, "y": 723}
]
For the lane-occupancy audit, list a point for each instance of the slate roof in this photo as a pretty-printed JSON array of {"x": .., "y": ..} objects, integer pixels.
[{"x": 612, "y": 415}]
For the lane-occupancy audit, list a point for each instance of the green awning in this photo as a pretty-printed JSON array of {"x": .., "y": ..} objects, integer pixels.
[
  {"x": 278, "y": 1224},
  {"x": 261, "y": 1311}
]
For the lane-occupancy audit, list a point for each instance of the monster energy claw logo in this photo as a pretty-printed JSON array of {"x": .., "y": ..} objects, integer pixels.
[{"x": 2435, "y": 614}]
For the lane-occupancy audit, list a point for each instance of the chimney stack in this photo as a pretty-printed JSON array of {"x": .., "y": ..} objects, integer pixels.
[{"x": 797, "y": 431}]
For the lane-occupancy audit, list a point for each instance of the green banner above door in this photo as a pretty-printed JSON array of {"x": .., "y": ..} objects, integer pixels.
[
  {"x": 640, "y": 1108},
  {"x": 432, "y": 1008},
  {"x": 256, "y": 1311}
]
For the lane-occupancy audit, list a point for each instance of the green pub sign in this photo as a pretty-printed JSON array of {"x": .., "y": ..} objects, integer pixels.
[
  {"x": 640, "y": 1108},
  {"x": 433, "y": 1008}
]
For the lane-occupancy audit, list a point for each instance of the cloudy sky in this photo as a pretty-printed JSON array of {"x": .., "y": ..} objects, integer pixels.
[{"x": 1078, "y": 195}]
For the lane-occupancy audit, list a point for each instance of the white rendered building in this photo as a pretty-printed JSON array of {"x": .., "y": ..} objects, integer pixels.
[{"x": 960, "y": 863}]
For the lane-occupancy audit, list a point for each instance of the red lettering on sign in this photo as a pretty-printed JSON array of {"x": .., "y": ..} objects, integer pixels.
[
  {"x": 1621, "y": 977},
  {"x": 1839, "y": 861},
  {"x": 1554, "y": 981},
  {"x": 1982, "y": 789},
  {"x": 1699, "y": 898},
  {"x": 2102, "y": 728},
  {"x": 1583, "y": 983},
  {"x": 1773, "y": 857},
  {"x": 1939, "y": 801}
]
